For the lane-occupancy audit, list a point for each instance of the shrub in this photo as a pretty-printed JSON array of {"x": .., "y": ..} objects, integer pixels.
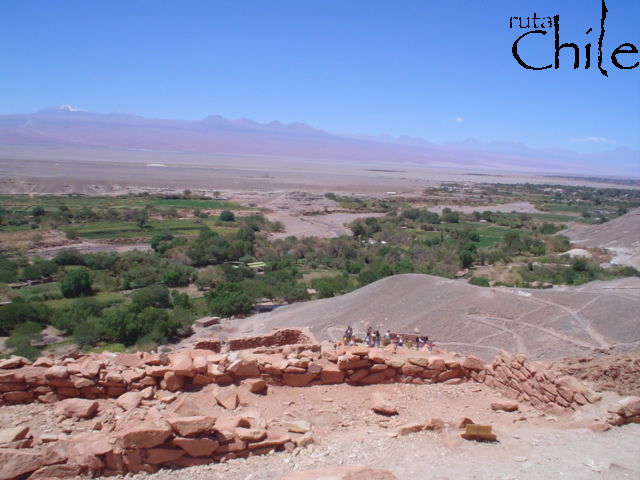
[
  {"x": 227, "y": 216},
  {"x": 7, "y": 276},
  {"x": 16, "y": 313},
  {"x": 87, "y": 333},
  {"x": 156, "y": 324},
  {"x": 28, "y": 352},
  {"x": 76, "y": 283},
  {"x": 153, "y": 296},
  {"x": 38, "y": 211},
  {"x": 79, "y": 311},
  {"x": 466, "y": 258},
  {"x": 31, "y": 272},
  {"x": 228, "y": 300},
  {"x": 47, "y": 268},
  {"x": 69, "y": 257},
  {"x": 479, "y": 281}
]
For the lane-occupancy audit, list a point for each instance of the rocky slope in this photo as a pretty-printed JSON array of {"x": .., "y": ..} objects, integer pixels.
[{"x": 597, "y": 317}]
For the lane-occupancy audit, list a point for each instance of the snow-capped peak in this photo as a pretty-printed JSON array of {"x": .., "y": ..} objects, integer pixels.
[{"x": 69, "y": 108}]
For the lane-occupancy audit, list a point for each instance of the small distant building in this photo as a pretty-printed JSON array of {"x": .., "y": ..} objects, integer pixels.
[
  {"x": 207, "y": 322},
  {"x": 257, "y": 267},
  {"x": 266, "y": 306}
]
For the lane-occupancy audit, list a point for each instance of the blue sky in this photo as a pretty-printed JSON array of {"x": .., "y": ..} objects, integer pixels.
[{"x": 438, "y": 70}]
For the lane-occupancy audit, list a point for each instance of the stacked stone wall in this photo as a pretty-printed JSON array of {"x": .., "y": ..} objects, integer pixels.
[
  {"x": 109, "y": 376},
  {"x": 75, "y": 383},
  {"x": 535, "y": 383}
]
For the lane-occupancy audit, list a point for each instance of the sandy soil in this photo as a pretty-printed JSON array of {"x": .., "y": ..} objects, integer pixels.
[{"x": 90, "y": 247}]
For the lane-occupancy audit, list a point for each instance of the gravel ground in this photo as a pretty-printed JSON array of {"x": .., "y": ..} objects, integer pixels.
[{"x": 530, "y": 445}]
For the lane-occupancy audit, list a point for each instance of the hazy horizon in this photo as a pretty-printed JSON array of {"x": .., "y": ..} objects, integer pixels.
[{"x": 437, "y": 71}]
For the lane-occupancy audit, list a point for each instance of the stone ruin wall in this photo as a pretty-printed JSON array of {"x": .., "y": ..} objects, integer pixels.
[
  {"x": 280, "y": 338},
  {"x": 182, "y": 441}
]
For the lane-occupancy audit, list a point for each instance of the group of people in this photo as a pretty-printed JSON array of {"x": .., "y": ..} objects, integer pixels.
[{"x": 375, "y": 339}]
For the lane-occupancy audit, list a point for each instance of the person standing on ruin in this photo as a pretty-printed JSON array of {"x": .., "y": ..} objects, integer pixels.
[{"x": 348, "y": 334}]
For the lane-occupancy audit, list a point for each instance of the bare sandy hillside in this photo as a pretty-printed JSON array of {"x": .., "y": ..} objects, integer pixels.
[
  {"x": 542, "y": 324},
  {"x": 621, "y": 236}
]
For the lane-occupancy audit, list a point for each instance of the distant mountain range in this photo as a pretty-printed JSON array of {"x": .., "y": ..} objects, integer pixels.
[{"x": 68, "y": 126}]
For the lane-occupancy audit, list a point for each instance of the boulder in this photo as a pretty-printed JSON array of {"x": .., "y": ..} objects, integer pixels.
[
  {"x": 183, "y": 364},
  {"x": 419, "y": 361},
  {"x": 129, "y": 401},
  {"x": 173, "y": 382},
  {"x": 437, "y": 363},
  {"x": 382, "y": 403},
  {"x": 274, "y": 439},
  {"x": 12, "y": 376},
  {"x": 506, "y": 405},
  {"x": 197, "y": 447},
  {"x": 56, "y": 471},
  {"x": 56, "y": 372},
  {"x": 408, "y": 428},
  {"x": 144, "y": 435},
  {"x": 13, "y": 362},
  {"x": 46, "y": 362},
  {"x": 227, "y": 398},
  {"x": 630, "y": 406},
  {"x": 231, "y": 423},
  {"x": 297, "y": 426},
  {"x": 199, "y": 364},
  {"x": 17, "y": 463},
  {"x": 251, "y": 435},
  {"x": 473, "y": 363},
  {"x": 434, "y": 424},
  {"x": 127, "y": 359},
  {"x": 8, "y": 435},
  {"x": 297, "y": 379},
  {"x": 244, "y": 368},
  {"x": 256, "y": 385},
  {"x": 192, "y": 426},
  {"x": 330, "y": 372},
  {"x": 157, "y": 456},
  {"x": 90, "y": 369},
  {"x": 76, "y": 408}
]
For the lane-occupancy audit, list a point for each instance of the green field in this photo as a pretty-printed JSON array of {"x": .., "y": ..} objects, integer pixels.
[
  {"x": 206, "y": 204},
  {"x": 102, "y": 297},
  {"x": 563, "y": 207},
  {"x": 23, "y": 204},
  {"x": 113, "y": 230}
]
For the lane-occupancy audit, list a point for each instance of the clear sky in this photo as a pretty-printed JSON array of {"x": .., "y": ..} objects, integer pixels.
[{"x": 439, "y": 70}]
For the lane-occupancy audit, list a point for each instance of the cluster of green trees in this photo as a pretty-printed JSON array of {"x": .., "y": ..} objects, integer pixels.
[
  {"x": 405, "y": 240},
  {"x": 577, "y": 272},
  {"x": 12, "y": 271},
  {"x": 152, "y": 317}
]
